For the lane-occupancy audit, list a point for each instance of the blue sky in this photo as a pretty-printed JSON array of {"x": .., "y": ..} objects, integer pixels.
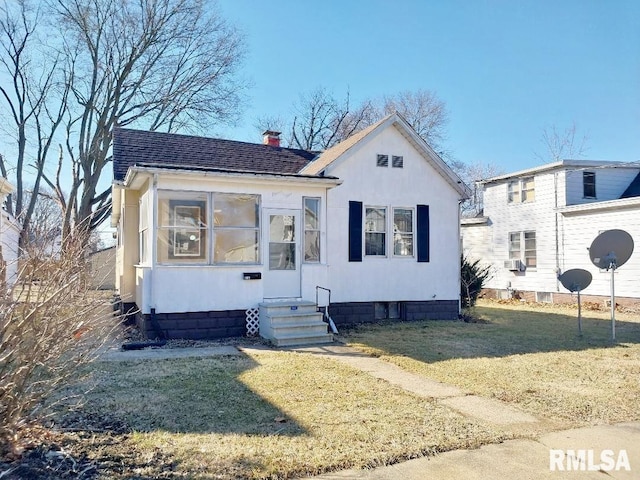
[{"x": 505, "y": 69}]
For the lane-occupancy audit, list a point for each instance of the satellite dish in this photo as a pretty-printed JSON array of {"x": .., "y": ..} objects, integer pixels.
[
  {"x": 576, "y": 280},
  {"x": 611, "y": 249}
]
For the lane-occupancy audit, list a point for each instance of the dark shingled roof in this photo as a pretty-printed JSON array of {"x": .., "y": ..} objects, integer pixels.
[
  {"x": 633, "y": 190},
  {"x": 138, "y": 147}
]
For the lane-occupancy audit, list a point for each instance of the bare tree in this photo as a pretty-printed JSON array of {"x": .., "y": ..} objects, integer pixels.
[
  {"x": 161, "y": 64},
  {"x": 566, "y": 144},
  {"x": 471, "y": 174},
  {"x": 28, "y": 105},
  {"x": 424, "y": 111},
  {"x": 320, "y": 120}
]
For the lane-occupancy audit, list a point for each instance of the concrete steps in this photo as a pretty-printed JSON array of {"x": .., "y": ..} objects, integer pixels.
[{"x": 293, "y": 323}]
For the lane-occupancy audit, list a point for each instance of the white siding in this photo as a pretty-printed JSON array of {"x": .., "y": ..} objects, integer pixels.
[
  {"x": 562, "y": 238},
  {"x": 193, "y": 288},
  {"x": 537, "y": 216},
  {"x": 578, "y": 230},
  {"x": 9, "y": 239},
  {"x": 393, "y": 278},
  {"x": 610, "y": 184}
]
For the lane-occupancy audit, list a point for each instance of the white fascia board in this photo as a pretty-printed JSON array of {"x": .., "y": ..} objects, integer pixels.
[
  {"x": 434, "y": 159},
  {"x": 466, "y": 221},
  {"x": 618, "y": 204},
  {"x": 561, "y": 164},
  {"x": 136, "y": 176},
  {"x": 116, "y": 202},
  {"x": 5, "y": 187}
]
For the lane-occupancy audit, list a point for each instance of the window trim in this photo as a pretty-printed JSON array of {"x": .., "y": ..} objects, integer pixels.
[{"x": 305, "y": 230}]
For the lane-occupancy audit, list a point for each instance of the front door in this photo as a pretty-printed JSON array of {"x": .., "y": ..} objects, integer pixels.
[{"x": 282, "y": 272}]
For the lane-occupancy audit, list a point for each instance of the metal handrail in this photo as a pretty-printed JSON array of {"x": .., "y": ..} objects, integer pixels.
[{"x": 334, "y": 329}]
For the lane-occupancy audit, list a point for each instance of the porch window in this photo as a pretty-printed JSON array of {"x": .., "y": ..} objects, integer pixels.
[
  {"x": 312, "y": 230},
  {"x": 182, "y": 227},
  {"x": 403, "y": 232},
  {"x": 236, "y": 228},
  {"x": 375, "y": 228}
]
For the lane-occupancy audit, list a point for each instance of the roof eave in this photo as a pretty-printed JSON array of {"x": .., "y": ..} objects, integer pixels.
[{"x": 133, "y": 180}]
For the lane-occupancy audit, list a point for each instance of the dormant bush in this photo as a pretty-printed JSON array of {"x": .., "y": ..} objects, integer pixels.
[{"x": 51, "y": 324}]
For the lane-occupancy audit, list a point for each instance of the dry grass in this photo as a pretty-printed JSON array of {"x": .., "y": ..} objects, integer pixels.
[
  {"x": 264, "y": 415},
  {"x": 529, "y": 356}
]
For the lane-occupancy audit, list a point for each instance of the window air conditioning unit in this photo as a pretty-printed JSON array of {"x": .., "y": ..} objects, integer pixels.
[{"x": 514, "y": 265}]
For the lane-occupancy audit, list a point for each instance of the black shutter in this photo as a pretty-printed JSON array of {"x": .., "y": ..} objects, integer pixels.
[
  {"x": 423, "y": 233},
  {"x": 355, "y": 231}
]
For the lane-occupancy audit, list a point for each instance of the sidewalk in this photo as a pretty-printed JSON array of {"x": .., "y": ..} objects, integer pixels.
[{"x": 574, "y": 454}]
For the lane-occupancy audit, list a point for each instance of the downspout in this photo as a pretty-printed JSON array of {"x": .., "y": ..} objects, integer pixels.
[
  {"x": 555, "y": 197},
  {"x": 459, "y": 258},
  {"x": 154, "y": 249}
]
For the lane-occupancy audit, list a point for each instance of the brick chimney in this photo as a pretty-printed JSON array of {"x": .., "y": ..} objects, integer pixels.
[{"x": 271, "y": 137}]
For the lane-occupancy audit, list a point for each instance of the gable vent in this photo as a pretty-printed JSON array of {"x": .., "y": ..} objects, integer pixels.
[
  {"x": 397, "y": 162},
  {"x": 383, "y": 160}
]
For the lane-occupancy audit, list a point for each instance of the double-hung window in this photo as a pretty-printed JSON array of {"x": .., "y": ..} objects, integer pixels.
[
  {"x": 403, "y": 232},
  {"x": 521, "y": 190},
  {"x": 184, "y": 228},
  {"x": 312, "y": 230},
  {"x": 522, "y": 246},
  {"x": 375, "y": 231}
]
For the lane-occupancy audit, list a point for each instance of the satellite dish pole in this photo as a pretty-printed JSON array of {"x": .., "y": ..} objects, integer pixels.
[
  {"x": 576, "y": 280},
  {"x": 610, "y": 250}
]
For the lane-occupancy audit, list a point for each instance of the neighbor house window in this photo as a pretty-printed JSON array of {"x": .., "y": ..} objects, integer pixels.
[
  {"x": 312, "y": 230},
  {"x": 182, "y": 227},
  {"x": 522, "y": 246},
  {"x": 403, "y": 232},
  {"x": 375, "y": 231},
  {"x": 589, "y": 184},
  {"x": 521, "y": 190},
  {"x": 236, "y": 228}
]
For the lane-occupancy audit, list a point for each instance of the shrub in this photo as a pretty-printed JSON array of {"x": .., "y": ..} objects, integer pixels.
[
  {"x": 472, "y": 278},
  {"x": 51, "y": 324}
]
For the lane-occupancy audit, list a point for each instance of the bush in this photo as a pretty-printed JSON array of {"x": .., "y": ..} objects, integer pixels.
[
  {"x": 51, "y": 324},
  {"x": 472, "y": 278}
]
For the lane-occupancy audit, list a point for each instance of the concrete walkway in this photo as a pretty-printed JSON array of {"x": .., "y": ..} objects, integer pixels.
[{"x": 606, "y": 451}]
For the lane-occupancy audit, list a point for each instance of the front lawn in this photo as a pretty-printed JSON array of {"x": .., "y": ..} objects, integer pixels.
[
  {"x": 269, "y": 414},
  {"x": 530, "y": 356}
]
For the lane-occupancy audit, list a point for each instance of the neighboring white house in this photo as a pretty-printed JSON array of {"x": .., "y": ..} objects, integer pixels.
[
  {"x": 210, "y": 229},
  {"x": 540, "y": 222},
  {"x": 9, "y": 238}
]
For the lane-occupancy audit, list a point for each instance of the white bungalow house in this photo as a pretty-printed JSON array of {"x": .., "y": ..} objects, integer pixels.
[
  {"x": 211, "y": 230},
  {"x": 9, "y": 238},
  {"x": 540, "y": 222}
]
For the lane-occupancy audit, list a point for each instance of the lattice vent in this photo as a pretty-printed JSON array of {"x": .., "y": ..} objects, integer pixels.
[{"x": 253, "y": 322}]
